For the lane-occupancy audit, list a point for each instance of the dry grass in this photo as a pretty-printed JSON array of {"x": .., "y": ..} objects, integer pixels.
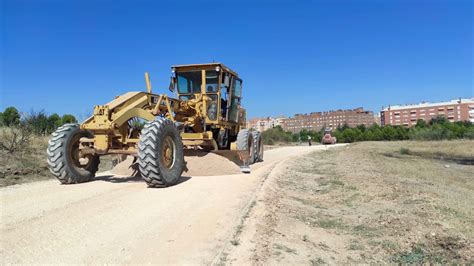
[
  {"x": 373, "y": 202},
  {"x": 29, "y": 163},
  {"x": 25, "y": 165}
]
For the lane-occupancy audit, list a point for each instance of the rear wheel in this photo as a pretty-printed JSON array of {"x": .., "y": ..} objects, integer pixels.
[
  {"x": 258, "y": 146},
  {"x": 245, "y": 142},
  {"x": 160, "y": 153},
  {"x": 64, "y": 158},
  {"x": 223, "y": 139}
]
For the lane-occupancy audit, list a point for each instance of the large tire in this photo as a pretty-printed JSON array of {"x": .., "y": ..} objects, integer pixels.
[
  {"x": 245, "y": 142},
  {"x": 63, "y": 156},
  {"x": 160, "y": 153},
  {"x": 223, "y": 139},
  {"x": 258, "y": 146}
]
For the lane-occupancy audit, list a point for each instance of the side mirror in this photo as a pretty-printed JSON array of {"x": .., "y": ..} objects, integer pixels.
[{"x": 172, "y": 84}]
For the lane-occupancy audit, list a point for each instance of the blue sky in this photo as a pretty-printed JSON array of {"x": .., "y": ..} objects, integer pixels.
[{"x": 294, "y": 56}]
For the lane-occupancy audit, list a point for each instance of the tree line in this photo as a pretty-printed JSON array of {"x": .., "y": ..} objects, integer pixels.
[
  {"x": 38, "y": 122},
  {"x": 438, "y": 128}
]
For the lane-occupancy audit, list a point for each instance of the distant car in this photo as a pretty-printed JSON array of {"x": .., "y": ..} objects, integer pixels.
[{"x": 327, "y": 138}]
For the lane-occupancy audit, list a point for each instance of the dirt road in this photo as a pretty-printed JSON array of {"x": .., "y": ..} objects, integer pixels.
[{"x": 119, "y": 220}]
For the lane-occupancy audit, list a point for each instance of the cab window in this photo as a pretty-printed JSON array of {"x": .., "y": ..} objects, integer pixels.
[
  {"x": 235, "y": 99},
  {"x": 237, "y": 88},
  {"x": 189, "y": 82},
  {"x": 212, "y": 81}
]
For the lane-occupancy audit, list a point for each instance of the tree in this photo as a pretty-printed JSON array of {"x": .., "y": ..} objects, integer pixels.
[
  {"x": 344, "y": 126},
  {"x": 42, "y": 123},
  {"x": 304, "y": 135},
  {"x": 38, "y": 122},
  {"x": 10, "y": 117},
  {"x": 362, "y": 127},
  {"x": 389, "y": 132},
  {"x": 420, "y": 123},
  {"x": 439, "y": 120},
  {"x": 54, "y": 121},
  {"x": 68, "y": 118}
]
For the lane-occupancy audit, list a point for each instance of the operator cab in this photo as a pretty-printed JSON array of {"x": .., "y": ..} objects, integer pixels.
[{"x": 217, "y": 84}]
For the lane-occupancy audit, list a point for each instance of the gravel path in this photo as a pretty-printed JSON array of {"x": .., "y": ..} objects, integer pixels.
[{"x": 118, "y": 220}]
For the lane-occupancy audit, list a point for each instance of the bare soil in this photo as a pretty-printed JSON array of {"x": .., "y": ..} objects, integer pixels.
[
  {"x": 372, "y": 202},
  {"x": 118, "y": 220}
]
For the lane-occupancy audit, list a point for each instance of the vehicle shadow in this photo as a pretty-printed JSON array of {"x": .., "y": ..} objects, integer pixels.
[
  {"x": 117, "y": 179},
  {"x": 132, "y": 179}
]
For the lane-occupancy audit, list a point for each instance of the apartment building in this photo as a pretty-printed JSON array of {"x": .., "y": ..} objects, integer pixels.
[
  {"x": 317, "y": 120},
  {"x": 407, "y": 115},
  {"x": 262, "y": 124},
  {"x": 377, "y": 119}
]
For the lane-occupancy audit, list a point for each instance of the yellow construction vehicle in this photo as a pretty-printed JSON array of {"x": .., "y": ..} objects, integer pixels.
[{"x": 206, "y": 114}]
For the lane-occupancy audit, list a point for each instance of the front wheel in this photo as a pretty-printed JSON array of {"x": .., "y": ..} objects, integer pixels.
[
  {"x": 160, "y": 153},
  {"x": 64, "y": 157}
]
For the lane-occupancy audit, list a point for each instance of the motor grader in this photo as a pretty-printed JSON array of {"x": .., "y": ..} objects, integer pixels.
[
  {"x": 155, "y": 128},
  {"x": 327, "y": 138}
]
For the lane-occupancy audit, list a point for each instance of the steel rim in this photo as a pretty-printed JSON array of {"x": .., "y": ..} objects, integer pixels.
[
  {"x": 74, "y": 154},
  {"x": 168, "y": 152}
]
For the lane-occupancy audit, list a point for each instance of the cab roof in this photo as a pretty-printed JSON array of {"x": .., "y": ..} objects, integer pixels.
[{"x": 222, "y": 66}]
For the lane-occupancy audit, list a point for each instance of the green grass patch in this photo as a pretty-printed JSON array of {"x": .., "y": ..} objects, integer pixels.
[
  {"x": 364, "y": 230},
  {"x": 417, "y": 254},
  {"x": 356, "y": 245}
]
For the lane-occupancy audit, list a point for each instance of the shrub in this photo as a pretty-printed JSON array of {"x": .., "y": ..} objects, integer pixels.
[
  {"x": 38, "y": 122},
  {"x": 276, "y": 134},
  {"x": 14, "y": 138},
  {"x": 42, "y": 124},
  {"x": 434, "y": 133},
  {"x": 404, "y": 151},
  {"x": 469, "y": 134}
]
